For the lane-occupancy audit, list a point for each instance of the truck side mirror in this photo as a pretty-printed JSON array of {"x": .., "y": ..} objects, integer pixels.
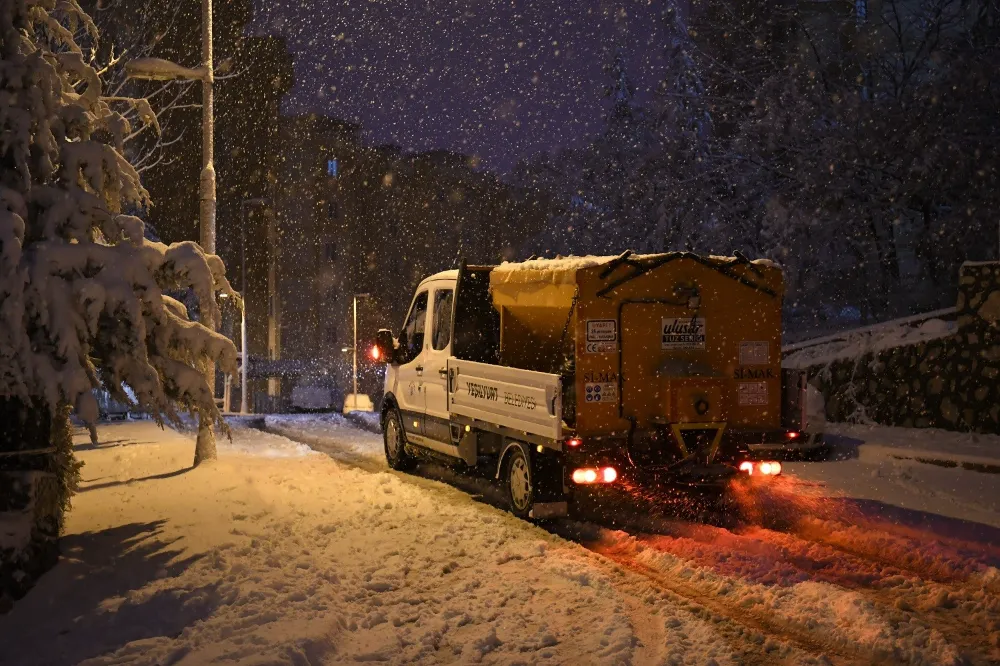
[{"x": 385, "y": 347}]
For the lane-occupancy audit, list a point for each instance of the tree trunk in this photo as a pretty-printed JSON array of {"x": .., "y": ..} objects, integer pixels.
[
  {"x": 888, "y": 267},
  {"x": 204, "y": 448},
  {"x": 926, "y": 248}
]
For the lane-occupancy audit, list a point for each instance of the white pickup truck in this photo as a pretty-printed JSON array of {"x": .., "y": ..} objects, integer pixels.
[
  {"x": 575, "y": 375},
  {"x": 461, "y": 409}
]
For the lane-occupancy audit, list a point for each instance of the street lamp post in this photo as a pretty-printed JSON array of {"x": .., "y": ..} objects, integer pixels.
[
  {"x": 356, "y": 297},
  {"x": 356, "y": 402},
  {"x": 164, "y": 70}
]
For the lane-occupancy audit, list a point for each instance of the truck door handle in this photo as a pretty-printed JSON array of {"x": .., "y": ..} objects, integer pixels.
[
  {"x": 420, "y": 370},
  {"x": 443, "y": 372}
]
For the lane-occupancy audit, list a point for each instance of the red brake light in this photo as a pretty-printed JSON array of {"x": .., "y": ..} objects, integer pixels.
[
  {"x": 746, "y": 467},
  {"x": 792, "y": 435},
  {"x": 589, "y": 475},
  {"x": 376, "y": 353},
  {"x": 574, "y": 442},
  {"x": 771, "y": 468}
]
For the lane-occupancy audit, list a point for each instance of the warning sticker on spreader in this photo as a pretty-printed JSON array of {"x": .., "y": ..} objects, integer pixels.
[
  {"x": 752, "y": 394},
  {"x": 683, "y": 333},
  {"x": 602, "y": 336},
  {"x": 601, "y": 392}
]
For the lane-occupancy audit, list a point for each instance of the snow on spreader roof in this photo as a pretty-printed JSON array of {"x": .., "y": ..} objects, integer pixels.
[{"x": 562, "y": 270}]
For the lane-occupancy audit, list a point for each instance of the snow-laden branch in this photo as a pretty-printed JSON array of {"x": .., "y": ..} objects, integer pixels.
[{"x": 82, "y": 292}]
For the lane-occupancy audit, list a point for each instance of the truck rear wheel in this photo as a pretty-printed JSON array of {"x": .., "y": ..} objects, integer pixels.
[
  {"x": 395, "y": 443},
  {"x": 520, "y": 487}
]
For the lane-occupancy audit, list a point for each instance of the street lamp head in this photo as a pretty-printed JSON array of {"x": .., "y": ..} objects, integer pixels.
[{"x": 158, "y": 69}]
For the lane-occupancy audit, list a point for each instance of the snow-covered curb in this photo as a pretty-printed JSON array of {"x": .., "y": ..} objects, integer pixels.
[{"x": 973, "y": 451}]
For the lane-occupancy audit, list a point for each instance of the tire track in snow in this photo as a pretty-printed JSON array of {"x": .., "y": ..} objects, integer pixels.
[
  {"x": 782, "y": 559},
  {"x": 946, "y": 593},
  {"x": 769, "y": 625},
  {"x": 732, "y": 621}
]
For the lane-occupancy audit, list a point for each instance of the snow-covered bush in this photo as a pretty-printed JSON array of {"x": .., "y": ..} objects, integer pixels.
[{"x": 83, "y": 299}]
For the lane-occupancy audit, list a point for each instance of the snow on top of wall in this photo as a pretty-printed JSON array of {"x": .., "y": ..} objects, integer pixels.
[{"x": 871, "y": 340}]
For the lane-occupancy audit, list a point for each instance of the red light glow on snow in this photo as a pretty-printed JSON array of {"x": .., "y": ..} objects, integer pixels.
[{"x": 376, "y": 353}]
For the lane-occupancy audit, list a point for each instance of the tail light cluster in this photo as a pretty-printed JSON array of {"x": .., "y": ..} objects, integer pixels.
[
  {"x": 589, "y": 475},
  {"x": 767, "y": 468}
]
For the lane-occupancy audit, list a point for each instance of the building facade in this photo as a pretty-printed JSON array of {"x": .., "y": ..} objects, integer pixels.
[{"x": 375, "y": 220}]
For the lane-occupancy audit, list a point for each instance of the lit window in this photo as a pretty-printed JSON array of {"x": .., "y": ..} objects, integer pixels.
[
  {"x": 860, "y": 11},
  {"x": 331, "y": 167}
]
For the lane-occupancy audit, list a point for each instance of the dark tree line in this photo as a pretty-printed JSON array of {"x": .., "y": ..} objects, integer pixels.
[{"x": 854, "y": 142}]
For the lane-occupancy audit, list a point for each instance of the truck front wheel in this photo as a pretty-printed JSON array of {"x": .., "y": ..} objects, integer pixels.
[
  {"x": 520, "y": 489},
  {"x": 395, "y": 443}
]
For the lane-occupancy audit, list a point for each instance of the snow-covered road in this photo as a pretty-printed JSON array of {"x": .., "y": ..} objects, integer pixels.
[
  {"x": 277, "y": 555},
  {"x": 855, "y": 560}
]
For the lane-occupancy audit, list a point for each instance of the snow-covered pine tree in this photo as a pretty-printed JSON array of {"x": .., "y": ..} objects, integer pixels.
[{"x": 83, "y": 300}]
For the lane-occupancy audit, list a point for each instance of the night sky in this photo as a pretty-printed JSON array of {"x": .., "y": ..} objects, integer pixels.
[{"x": 497, "y": 79}]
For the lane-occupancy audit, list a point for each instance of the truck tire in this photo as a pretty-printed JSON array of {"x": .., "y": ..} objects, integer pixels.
[
  {"x": 394, "y": 438},
  {"x": 519, "y": 483}
]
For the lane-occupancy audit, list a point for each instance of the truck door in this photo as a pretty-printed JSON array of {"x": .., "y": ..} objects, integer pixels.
[
  {"x": 436, "y": 354},
  {"x": 410, "y": 373}
]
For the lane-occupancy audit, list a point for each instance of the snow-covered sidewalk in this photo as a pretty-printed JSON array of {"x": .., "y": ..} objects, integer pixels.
[{"x": 278, "y": 555}]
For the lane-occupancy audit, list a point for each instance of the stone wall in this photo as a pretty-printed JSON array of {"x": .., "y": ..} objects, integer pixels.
[{"x": 951, "y": 383}]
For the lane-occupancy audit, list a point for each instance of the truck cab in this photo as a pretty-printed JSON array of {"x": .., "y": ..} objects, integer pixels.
[
  {"x": 417, "y": 379},
  {"x": 562, "y": 376}
]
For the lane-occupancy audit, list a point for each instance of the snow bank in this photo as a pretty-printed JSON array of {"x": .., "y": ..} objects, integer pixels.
[
  {"x": 253, "y": 442},
  {"x": 371, "y": 421},
  {"x": 330, "y": 433}
]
